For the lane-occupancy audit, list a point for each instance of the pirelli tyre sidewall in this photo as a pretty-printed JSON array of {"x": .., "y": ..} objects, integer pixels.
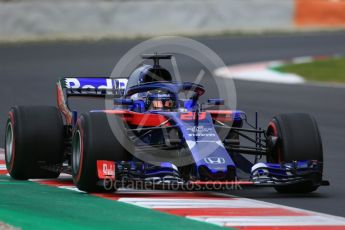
[
  {"x": 298, "y": 140},
  {"x": 34, "y": 142},
  {"x": 93, "y": 140}
]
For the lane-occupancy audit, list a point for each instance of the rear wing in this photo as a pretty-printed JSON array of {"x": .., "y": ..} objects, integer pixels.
[
  {"x": 87, "y": 87},
  {"x": 93, "y": 86}
]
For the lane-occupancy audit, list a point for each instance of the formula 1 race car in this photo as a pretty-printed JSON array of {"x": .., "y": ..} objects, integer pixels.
[{"x": 156, "y": 132}]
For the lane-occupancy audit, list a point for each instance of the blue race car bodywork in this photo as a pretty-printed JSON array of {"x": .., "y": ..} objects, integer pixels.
[{"x": 215, "y": 158}]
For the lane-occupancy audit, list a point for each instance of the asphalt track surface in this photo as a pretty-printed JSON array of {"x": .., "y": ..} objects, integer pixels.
[{"x": 28, "y": 73}]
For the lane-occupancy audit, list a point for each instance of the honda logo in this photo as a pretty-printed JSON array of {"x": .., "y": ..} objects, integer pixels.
[{"x": 214, "y": 160}]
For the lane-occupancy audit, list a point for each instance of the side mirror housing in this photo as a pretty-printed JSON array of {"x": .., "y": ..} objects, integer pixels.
[{"x": 216, "y": 101}]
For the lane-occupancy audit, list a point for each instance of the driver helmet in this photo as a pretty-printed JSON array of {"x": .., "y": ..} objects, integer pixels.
[{"x": 159, "y": 100}]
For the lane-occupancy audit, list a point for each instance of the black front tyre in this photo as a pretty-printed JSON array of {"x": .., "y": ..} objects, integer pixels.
[
  {"x": 34, "y": 142},
  {"x": 298, "y": 139},
  {"x": 94, "y": 140}
]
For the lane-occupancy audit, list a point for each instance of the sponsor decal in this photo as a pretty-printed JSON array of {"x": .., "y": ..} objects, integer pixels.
[
  {"x": 106, "y": 169},
  {"x": 190, "y": 116},
  {"x": 214, "y": 160},
  {"x": 95, "y": 84},
  {"x": 202, "y": 135},
  {"x": 200, "y": 131}
]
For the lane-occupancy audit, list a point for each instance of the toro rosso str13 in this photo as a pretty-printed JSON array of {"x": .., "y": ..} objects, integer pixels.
[{"x": 158, "y": 133}]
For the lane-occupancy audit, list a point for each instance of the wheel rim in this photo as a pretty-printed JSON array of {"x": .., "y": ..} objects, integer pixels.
[
  {"x": 272, "y": 131},
  {"x": 9, "y": 142},
  {"x": 76, "y": 152}
]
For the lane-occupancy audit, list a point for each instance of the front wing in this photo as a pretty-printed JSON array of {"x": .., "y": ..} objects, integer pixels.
[{"x": 139, "y": 175}]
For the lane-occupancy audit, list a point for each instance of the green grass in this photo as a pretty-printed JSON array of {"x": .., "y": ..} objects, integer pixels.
[
  {"x": 331, "y": 70},
  {"x": 29, "y": 205}
]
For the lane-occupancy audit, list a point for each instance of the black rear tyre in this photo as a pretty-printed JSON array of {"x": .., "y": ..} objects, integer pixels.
[
  {"x": 298, "y": 140},
  {"x": 94, "y": 140},
  {"x": 34, "y": 142}
]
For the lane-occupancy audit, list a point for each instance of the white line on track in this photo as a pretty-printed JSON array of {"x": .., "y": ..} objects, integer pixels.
[
  {"x": 158, "y": 203},
  {"x": 270, "y": 221}
]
